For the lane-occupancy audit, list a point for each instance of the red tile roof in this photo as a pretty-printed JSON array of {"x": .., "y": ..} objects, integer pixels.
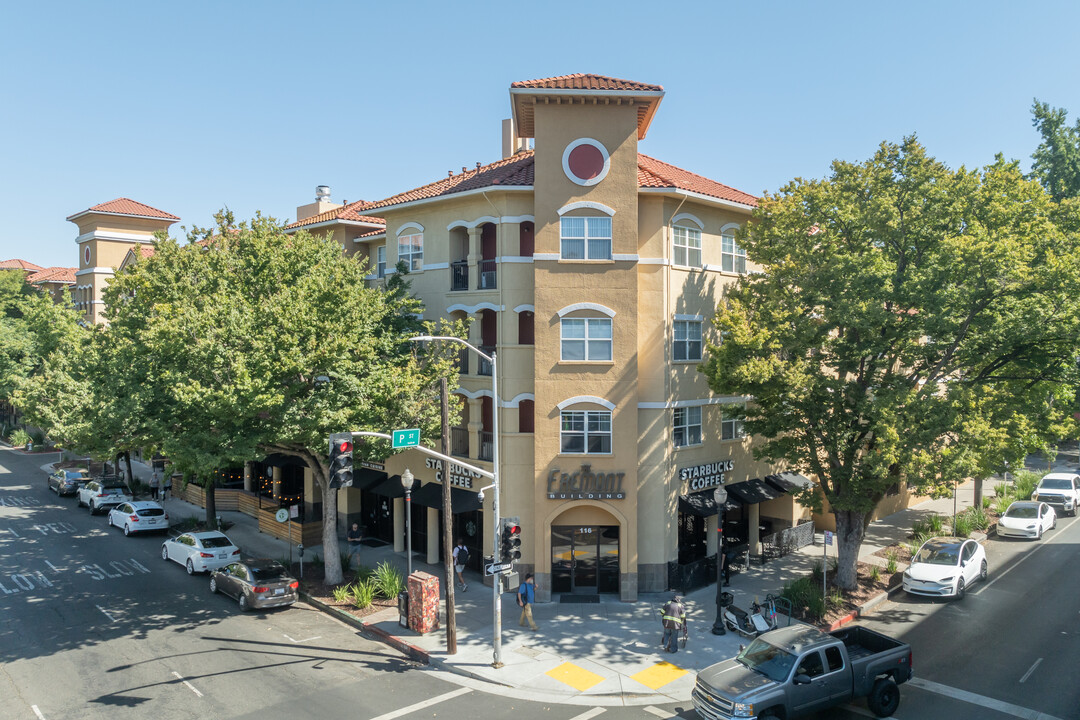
[
  {"x": 653, "y": 173},
  {"x": 124, "y": 206},
  {"x": 347, "y": 212},
  {"x": 54, "y": 275},
  {"x": 373, "y": 233},
  {"x": 584, "y": 81},
  {"x": 146, "y": 250},
  {"x": 17, "y": 264},
  {"x": 518, "y": 170}
]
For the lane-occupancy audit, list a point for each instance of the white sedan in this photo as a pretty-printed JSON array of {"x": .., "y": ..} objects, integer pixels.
[
  {"x": 141, "y": 516},
  {"x": 945, "y": 567},
  {"x": 1027, "y": 519},
  {"x": 200, "y": 551}
]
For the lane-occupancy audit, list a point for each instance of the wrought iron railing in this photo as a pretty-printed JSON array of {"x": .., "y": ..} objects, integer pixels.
[
  {"x": 459, "y": 442},
  {"x": 463, "y": 361},
  {"x": 459, "y": 275},
  {"x": 487, "y": 446},
  {"x": 788, "y": 540},
  {"x": 485, "y": 365}
]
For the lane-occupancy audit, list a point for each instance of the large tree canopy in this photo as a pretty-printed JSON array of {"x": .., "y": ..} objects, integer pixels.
[
  {"x": 1056, "y": 162},
  {"x": 247, "y": 341},
  {"x": 910, "y": 324}
]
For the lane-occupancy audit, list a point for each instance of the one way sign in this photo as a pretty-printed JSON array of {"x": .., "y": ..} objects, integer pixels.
[{"x": 497, "y": 568}]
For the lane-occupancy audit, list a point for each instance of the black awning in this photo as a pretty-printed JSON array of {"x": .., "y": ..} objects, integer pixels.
[
  {"x": 390, "y": 487},
  {"x": 366, "y": 478},
  {"x": 753, "y": 491},
  {"x": 702, "y": 503},
  {"x": 281, "y": 460},
  {"x": 431, "y": 495},
  {"x": 789, "y": 481}
]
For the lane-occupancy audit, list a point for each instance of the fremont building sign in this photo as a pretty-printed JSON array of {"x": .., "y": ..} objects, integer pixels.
[
  {"x": 707, "y": 475},
  {"x": 584, "y": 484}
]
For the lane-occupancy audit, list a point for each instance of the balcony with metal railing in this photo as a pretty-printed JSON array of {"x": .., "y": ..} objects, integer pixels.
[
  {"x": 459, "y": 275},
  {"x": 463, "y": 361},
  {"x": 485, "y": 365},
  {"x": 459, "y": 442},
  {"x": 487, "y": 275},
  {"x": 487, "y": 446}
]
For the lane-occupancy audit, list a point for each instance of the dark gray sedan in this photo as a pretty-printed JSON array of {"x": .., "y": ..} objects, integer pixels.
[
  {"x": 257, "y": 584},
  {"x": 68, "y": 481}
]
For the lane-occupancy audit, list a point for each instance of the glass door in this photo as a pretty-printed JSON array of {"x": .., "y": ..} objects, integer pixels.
[
  {"x": 586, "y": 554},
  {"x": 576, "y": 561}
]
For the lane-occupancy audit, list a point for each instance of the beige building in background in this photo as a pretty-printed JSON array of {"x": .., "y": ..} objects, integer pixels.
[{"x": 593, "y": 271}]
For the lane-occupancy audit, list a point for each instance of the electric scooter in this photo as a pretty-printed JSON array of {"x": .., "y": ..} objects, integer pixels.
[{"x": 760, "y": 619}]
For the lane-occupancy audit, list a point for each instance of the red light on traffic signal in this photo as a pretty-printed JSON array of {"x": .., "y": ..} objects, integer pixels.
[{"x": 345, "y": 446}]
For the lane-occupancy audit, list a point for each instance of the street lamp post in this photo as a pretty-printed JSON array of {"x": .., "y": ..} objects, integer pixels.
[
  {"x": 407, "y": 483},
  {"x": 720, "y": 497},
  {"x": 496, "y": 579}
]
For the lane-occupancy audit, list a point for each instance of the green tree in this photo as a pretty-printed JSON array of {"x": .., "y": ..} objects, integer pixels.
[
  {"x": 234, "y": 333},
  {"x": 1057, "y": 159},
  {"x": 907, "y": 319}
]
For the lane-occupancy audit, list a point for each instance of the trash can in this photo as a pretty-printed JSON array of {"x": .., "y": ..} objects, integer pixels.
[
  {"x": 726, "y": 599},
  {"x": 403, "y": 608}
]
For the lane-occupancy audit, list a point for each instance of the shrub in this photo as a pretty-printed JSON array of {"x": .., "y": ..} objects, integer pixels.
[
  {"x": 816, "y": 570},
  {"x": 20, "y": 437},
  {"x": 1024, "y": 483},
  {"x": 799, "y": 592},
  {"x": 875, "y": 573},
  {"x": 363, "y": 594},
  {"x": 343, "y": 594},
  {"x": 38, "y": 437},
  {"x": 387, "y": 580},
  {"x": 346, "y": 559},
  {"x": 816, "y": 609},
  {"x": 1002, "y": 503},
  {"x": 978, "y": 517},
  {"x": 891, "y": 565},
  {"x": 364, "y": 573},
  {"x": 834, "y": 565},
  {"x": 186, "y": 525},
  {"x": 963, "y": 525},
  {"x": 1002, "y": 489},
  {"x": 987, "y": 501}
]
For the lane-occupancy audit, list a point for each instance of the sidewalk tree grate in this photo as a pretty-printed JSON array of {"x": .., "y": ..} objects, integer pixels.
[
  {"x": 576, "y": 677},
  {"x": 659, "y": 675}
]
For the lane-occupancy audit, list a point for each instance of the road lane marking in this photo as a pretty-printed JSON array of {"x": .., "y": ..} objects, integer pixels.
[
  {"x": 421, "y": 705},
  {"x": 986, "y": 702},
  {"x": 106, "y": 613},
  {"x": 1025, "y": 556},
  {"x": 317, "y": 637},
  {"x": 660, "y": 713},
  {"x": 1031, "y": 670},
  {"x": 588, "y": 714},
  {"x": 189, "y": 685},
  {"x": 54, "y": 568},
  {"x": 37, "y": 712}
]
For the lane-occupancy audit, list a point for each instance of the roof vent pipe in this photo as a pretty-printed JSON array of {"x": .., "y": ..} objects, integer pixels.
[{"x": 322, "y": 193}]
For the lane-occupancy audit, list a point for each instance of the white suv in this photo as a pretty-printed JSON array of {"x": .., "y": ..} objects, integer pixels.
[
  {"x": 98, "y": 494},
  {"x": 1060, "y": 490}
]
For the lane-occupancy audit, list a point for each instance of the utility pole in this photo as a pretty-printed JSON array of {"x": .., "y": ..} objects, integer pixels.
[{"x": 447, "y": 522}]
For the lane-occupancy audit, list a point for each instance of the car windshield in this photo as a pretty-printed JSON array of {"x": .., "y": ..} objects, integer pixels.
[
  {"x": 76, "y": 474},
  {"x": 151, "y": 512},
  {"x": 938, "y": 554},
  {"x": 772, "y": 662},
  {"x": 1055, "y": 484},
  {"x": 1022, "y": 511},
  {"x": 267, "y": 573},
  {"x": 216, "y": 541}
]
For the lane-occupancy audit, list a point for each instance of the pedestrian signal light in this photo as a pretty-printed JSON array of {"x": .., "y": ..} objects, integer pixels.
[{"x": 341, "y": 460}]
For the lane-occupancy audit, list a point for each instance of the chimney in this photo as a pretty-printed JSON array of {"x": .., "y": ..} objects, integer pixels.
[
  {"x": 511, "y": 143},
  {"x": 322, "y": 204}
]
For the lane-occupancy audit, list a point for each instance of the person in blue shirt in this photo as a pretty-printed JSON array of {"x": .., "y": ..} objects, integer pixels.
[{"x": 526, "y": 598}]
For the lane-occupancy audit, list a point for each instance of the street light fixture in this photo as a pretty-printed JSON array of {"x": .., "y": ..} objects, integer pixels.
[
  {"x": 496, "y": 584},
  {"x": 720, "y": 497},
  {"x": 407, "y": 483}
]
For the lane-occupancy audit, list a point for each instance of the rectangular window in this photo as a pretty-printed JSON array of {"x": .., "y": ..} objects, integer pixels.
[
  {"x": 380, "y": 261},
  {"x": 687, "y": 340},
  {"x": 586, "y": 433},
  {"x": 586, "y": 339},
  {"x": 731, "y": 430},
  {"x": 410, "y": 249},
  {"x": 687, "y": 427},
  {"x": 687, "y": 246},
  {"x": 732, "y": 257},
  {"x": 585, "y": 238}
]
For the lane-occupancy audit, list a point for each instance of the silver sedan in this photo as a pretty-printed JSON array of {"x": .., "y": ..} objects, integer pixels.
[{"x": 200, "y": 551}]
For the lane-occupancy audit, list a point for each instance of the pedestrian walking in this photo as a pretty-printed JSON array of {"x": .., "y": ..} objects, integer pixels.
[
  {"x": 167, "y": 487},
  {"x": 674, "y": 620},
  {"x": 155, "y": 482},
  {"x": 461, "y": 558},
  {"x": 354, "y": 536},
  {"x": 526, "y": 598}
]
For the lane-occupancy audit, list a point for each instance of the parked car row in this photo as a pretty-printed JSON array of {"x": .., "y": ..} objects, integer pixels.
[{"x": 253, "y": 583}]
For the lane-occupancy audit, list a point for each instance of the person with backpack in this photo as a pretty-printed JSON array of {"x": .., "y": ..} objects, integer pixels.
[
  {"x": 526, "y": 598},
  {"x": 461, "y": 559},
  {"x": 674, "y": 621}
]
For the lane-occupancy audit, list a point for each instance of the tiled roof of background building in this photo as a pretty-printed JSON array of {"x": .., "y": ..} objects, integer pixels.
[
  {"x": 653, "y": 173},
  {"x": 124, "y": 206},
  {"x": 17, "y": 264},
  {"x": 350, "y": 211},
  {"x": 53, "y": 274},
  {"x": 584, "y": 81}
]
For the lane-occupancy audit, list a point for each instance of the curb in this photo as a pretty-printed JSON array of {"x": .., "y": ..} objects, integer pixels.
[
  {"x": 412, "y": 651},
  {"x": 862, "y": 609}
]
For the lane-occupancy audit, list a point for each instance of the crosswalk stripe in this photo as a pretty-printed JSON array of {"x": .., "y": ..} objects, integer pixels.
[
  {"x": 421, "y": 705},
  {"x": 588, "y": 714},
  {"x": 659, "y": 713}
]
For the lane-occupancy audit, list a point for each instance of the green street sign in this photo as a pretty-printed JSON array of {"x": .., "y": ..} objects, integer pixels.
[{"x": 406, "y": 438}]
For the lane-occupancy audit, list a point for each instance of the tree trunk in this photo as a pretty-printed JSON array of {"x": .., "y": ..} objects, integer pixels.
[
  {"x": 850, "y": 530},
  {"x": 130, "y": 477},
  {"x": 978, "y": 492},
  {"x": 211, "y": 505},
  {"x": 331, "y": 551}
]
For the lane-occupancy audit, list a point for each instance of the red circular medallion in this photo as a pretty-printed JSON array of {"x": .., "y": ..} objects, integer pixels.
[{"x": 586, "y": 162}]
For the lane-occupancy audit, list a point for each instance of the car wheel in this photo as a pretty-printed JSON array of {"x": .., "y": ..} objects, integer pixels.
[
  {"x": 78, "y": 500},
  {"x": 108, "y": 519},
  {"x": 982, "y": 571},
  {"x": 190, "y": 567},
  {"x": 242, "y": 601},
  {"x": 1053, "y": 525},
  {"x": 884, "y": 697},
  {"x": 164, "y": 553},
  {"x": 127, "y": 529},
  {"x": 93, "y": 510},
  {"x": 960, "y": 589},
  {"x": 213, "y": 584}
]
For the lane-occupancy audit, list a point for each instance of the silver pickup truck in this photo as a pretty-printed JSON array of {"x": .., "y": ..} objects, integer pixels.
[{"x": 799, "y": 670}]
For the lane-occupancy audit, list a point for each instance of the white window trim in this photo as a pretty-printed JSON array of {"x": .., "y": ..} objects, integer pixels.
[
  {"x": 566, "y": 161},
  {"x": 586, "y": 340},
  {"x": 737, "y": 437},
  {"x": 409, "y": 226},
  {"x": 688, "y": 319},
  {"x": 689, "y": 218},
  {"x": 585, "y": 243},
  {"x": 411, "y": 255},
  {"x": 595, "y": 307},
  {"x": 583, "y": 399},
  {"x": 700, "y": 249},
  {"x": 587, "y": 205},
  {"x": 700, "y": 425},
  {"x": 585, "y": 434},
  {"x": 525, "y": 308}
]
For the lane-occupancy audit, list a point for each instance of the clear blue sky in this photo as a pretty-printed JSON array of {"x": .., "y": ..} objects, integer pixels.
[{"x": 192, "y": 106}]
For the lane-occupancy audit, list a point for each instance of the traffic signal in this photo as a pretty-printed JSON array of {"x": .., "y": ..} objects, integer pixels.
[
  {"x": 341, "y": 460},
  {"x": 510, "y": 540}
]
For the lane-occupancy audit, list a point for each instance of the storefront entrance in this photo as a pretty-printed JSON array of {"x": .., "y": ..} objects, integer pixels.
[{"x": 585, "y": 559}]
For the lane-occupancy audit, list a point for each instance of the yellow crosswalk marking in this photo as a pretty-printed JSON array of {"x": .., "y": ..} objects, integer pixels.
[
  {"x": 576, "y": 677},
  {"x": 659, "y": 675}
]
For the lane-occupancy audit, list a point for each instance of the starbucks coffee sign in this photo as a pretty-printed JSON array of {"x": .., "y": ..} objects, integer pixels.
[
  {"x": 705, "y": 476},
  {"x": 584, "y": 484},
  {"x": 458, "y": 476}
]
